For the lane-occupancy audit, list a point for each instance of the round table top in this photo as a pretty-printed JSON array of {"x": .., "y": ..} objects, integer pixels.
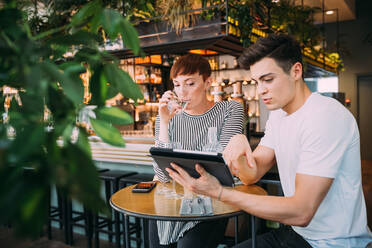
[{"x": 155, "y": 205}]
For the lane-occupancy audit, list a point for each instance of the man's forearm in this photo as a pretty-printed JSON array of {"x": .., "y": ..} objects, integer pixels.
[{"x": 283, "y": 209}]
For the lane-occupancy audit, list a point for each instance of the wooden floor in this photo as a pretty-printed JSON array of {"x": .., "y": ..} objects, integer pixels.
[{"x": 9, "y": 240}]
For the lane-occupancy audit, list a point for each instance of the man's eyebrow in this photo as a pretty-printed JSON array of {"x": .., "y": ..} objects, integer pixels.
[{"x": 262, "y": 76}]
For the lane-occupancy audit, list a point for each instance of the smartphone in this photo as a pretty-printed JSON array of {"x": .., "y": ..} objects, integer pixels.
[{"x": 144, "y": 187}]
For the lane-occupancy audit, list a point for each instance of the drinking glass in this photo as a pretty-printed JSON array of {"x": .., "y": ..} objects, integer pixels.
[
  {"x": 173, "y": 193},
  {"x": 175, "y": 101}
]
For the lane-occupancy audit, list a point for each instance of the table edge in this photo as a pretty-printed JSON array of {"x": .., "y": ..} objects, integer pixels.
[{"x": 176, "y": 218}]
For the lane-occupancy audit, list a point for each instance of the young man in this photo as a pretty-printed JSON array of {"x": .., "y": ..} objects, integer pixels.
[{"x": 315, "y": 142}]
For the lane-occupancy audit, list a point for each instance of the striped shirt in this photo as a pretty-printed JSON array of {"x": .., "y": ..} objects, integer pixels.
[{"x": 191, "y": 132}]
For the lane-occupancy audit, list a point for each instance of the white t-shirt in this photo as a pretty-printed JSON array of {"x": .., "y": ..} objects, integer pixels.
[{"x": 322, "y": 139}]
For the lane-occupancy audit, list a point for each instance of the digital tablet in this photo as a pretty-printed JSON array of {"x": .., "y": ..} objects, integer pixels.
[{"x": 213, "y": 163}]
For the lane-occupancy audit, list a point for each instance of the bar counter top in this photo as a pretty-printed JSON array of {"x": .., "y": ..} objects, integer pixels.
[{"x": 136, "y": 150}]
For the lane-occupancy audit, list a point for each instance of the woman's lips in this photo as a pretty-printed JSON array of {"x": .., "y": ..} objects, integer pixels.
[{"x": 266, "y": 100}]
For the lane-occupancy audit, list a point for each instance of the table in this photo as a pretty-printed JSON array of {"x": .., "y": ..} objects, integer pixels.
[{"x": 156, "y": 206}]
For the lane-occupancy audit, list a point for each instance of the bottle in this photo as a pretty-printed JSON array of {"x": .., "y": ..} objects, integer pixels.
[
  {"x": 223, "y": 65},
  {"x": 213, "y": 144},
  {"x": 237, "y": 94},
  {"x": 235, "y": 63}
]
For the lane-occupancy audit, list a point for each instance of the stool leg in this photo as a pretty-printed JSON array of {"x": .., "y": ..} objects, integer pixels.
[
  {"x": 139, "y": 227},
  {"x": 126, "y": 231},
  {"x": 88, "y": 226},
  {"x": 96, "y": 231},
  {"x": 145, "y": 233},
  {"x": 70, "y": 227},
  {"x": 60, "y": 206},
  {"x": 117, "y": 229},
  {"x": 253, "y": 226},
  {"x": 65, "y": 220},
  {"x": 49, "y": 217},
  {"x": 108, "y": 195},
  {"x": 236, "y": 225},
  {"x": 116, "y": 216}
]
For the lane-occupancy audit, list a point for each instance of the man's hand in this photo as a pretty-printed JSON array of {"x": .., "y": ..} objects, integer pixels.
[
  {"x": 239, "y": 157},
  {"x": 206, "y": 184}
]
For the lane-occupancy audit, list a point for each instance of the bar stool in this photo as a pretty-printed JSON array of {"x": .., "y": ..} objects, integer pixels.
[
  {"x": 271, "y": 178},
  {"x": 138, "y": 225},
  {"x": 68, "y": 218},
  {"x": 111, "y": 180},
  {"x": 56, "y": 214}
]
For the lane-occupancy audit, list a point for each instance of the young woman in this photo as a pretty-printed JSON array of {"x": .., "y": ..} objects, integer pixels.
[{"x": 191, "y": 75}]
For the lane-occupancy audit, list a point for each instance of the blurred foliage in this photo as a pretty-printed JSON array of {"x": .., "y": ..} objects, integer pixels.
[
  {"x": 297, "y": 21},
  {"x": 175, "y": 12},
  {"x": 41, "y": 145}
]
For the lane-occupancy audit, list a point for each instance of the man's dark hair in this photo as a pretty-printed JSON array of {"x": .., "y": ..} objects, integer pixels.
[{"x": 285, "y": 50}]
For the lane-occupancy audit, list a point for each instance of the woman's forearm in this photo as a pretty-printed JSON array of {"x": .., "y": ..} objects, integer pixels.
[{"x": 163, "y": 132}]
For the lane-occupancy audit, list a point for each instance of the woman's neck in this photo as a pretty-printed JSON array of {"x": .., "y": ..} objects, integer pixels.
[{"x": 202, "y": 107}]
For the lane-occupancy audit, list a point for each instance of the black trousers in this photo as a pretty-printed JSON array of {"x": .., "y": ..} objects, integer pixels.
[
  {"x": 206, "y": 234},
  {"x": 284, "y": 237}
]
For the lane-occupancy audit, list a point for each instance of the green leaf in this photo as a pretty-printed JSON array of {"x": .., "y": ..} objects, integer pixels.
[
  {"x": 66, "y": 135},
  {"x": 77, "y": 38},
  {"x": 83, "y": 142},
  {"x": 27, "y": 142},
  {"x": 111, "y": 91},
  {"x": 107, "y": 132},
  {"x": 82, "y": 182},
  {"x": 122, "y": 81},
  {"x": 73, "y": 67},
  {"x": 130, "y": 36},
  {"x": 110, "y": 22},
  {"x": 73, "y": 88},
  {"x": 114, "y": 115},
  {"x": 95, "y": 23},
  {"x": 95, "y": 86},
  {"x": 90, "y": 9}
]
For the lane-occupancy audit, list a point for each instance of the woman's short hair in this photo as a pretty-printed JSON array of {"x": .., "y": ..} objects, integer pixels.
[
  {"x": 284, "y": 49},
  {"x": 191, "y": 64}
]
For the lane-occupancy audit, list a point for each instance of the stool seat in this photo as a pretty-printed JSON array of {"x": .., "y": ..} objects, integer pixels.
[
  {"x": 270, "y": 178},
  {"x": 115, "y": 174},
  {"x": 140, "y": 177}
]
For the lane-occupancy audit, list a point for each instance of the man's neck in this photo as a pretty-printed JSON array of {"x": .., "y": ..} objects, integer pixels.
[{"x": 301, "y": 95}]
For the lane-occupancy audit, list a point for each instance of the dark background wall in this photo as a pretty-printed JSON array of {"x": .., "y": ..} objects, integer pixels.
[{"x": 353, "y": 37}]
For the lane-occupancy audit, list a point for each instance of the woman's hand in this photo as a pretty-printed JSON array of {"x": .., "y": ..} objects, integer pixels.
[
  {"x": 206, "y": 184},
  {"x": 164, "y": 113},
  {"x": 239, "y": 157}
]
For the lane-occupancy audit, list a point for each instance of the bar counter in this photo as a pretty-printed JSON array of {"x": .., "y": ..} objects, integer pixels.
[{"x": 134, "y": 156}]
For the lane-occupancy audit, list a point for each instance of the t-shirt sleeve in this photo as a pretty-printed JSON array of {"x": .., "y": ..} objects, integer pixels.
[
  {"x": 268, "y": 139},
  {"x": 233, "y": 122},
  {"x": 324, "y": 142}
]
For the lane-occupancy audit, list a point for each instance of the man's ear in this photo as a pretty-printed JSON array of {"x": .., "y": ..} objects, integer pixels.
[{"x": 297, "y": 71}]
